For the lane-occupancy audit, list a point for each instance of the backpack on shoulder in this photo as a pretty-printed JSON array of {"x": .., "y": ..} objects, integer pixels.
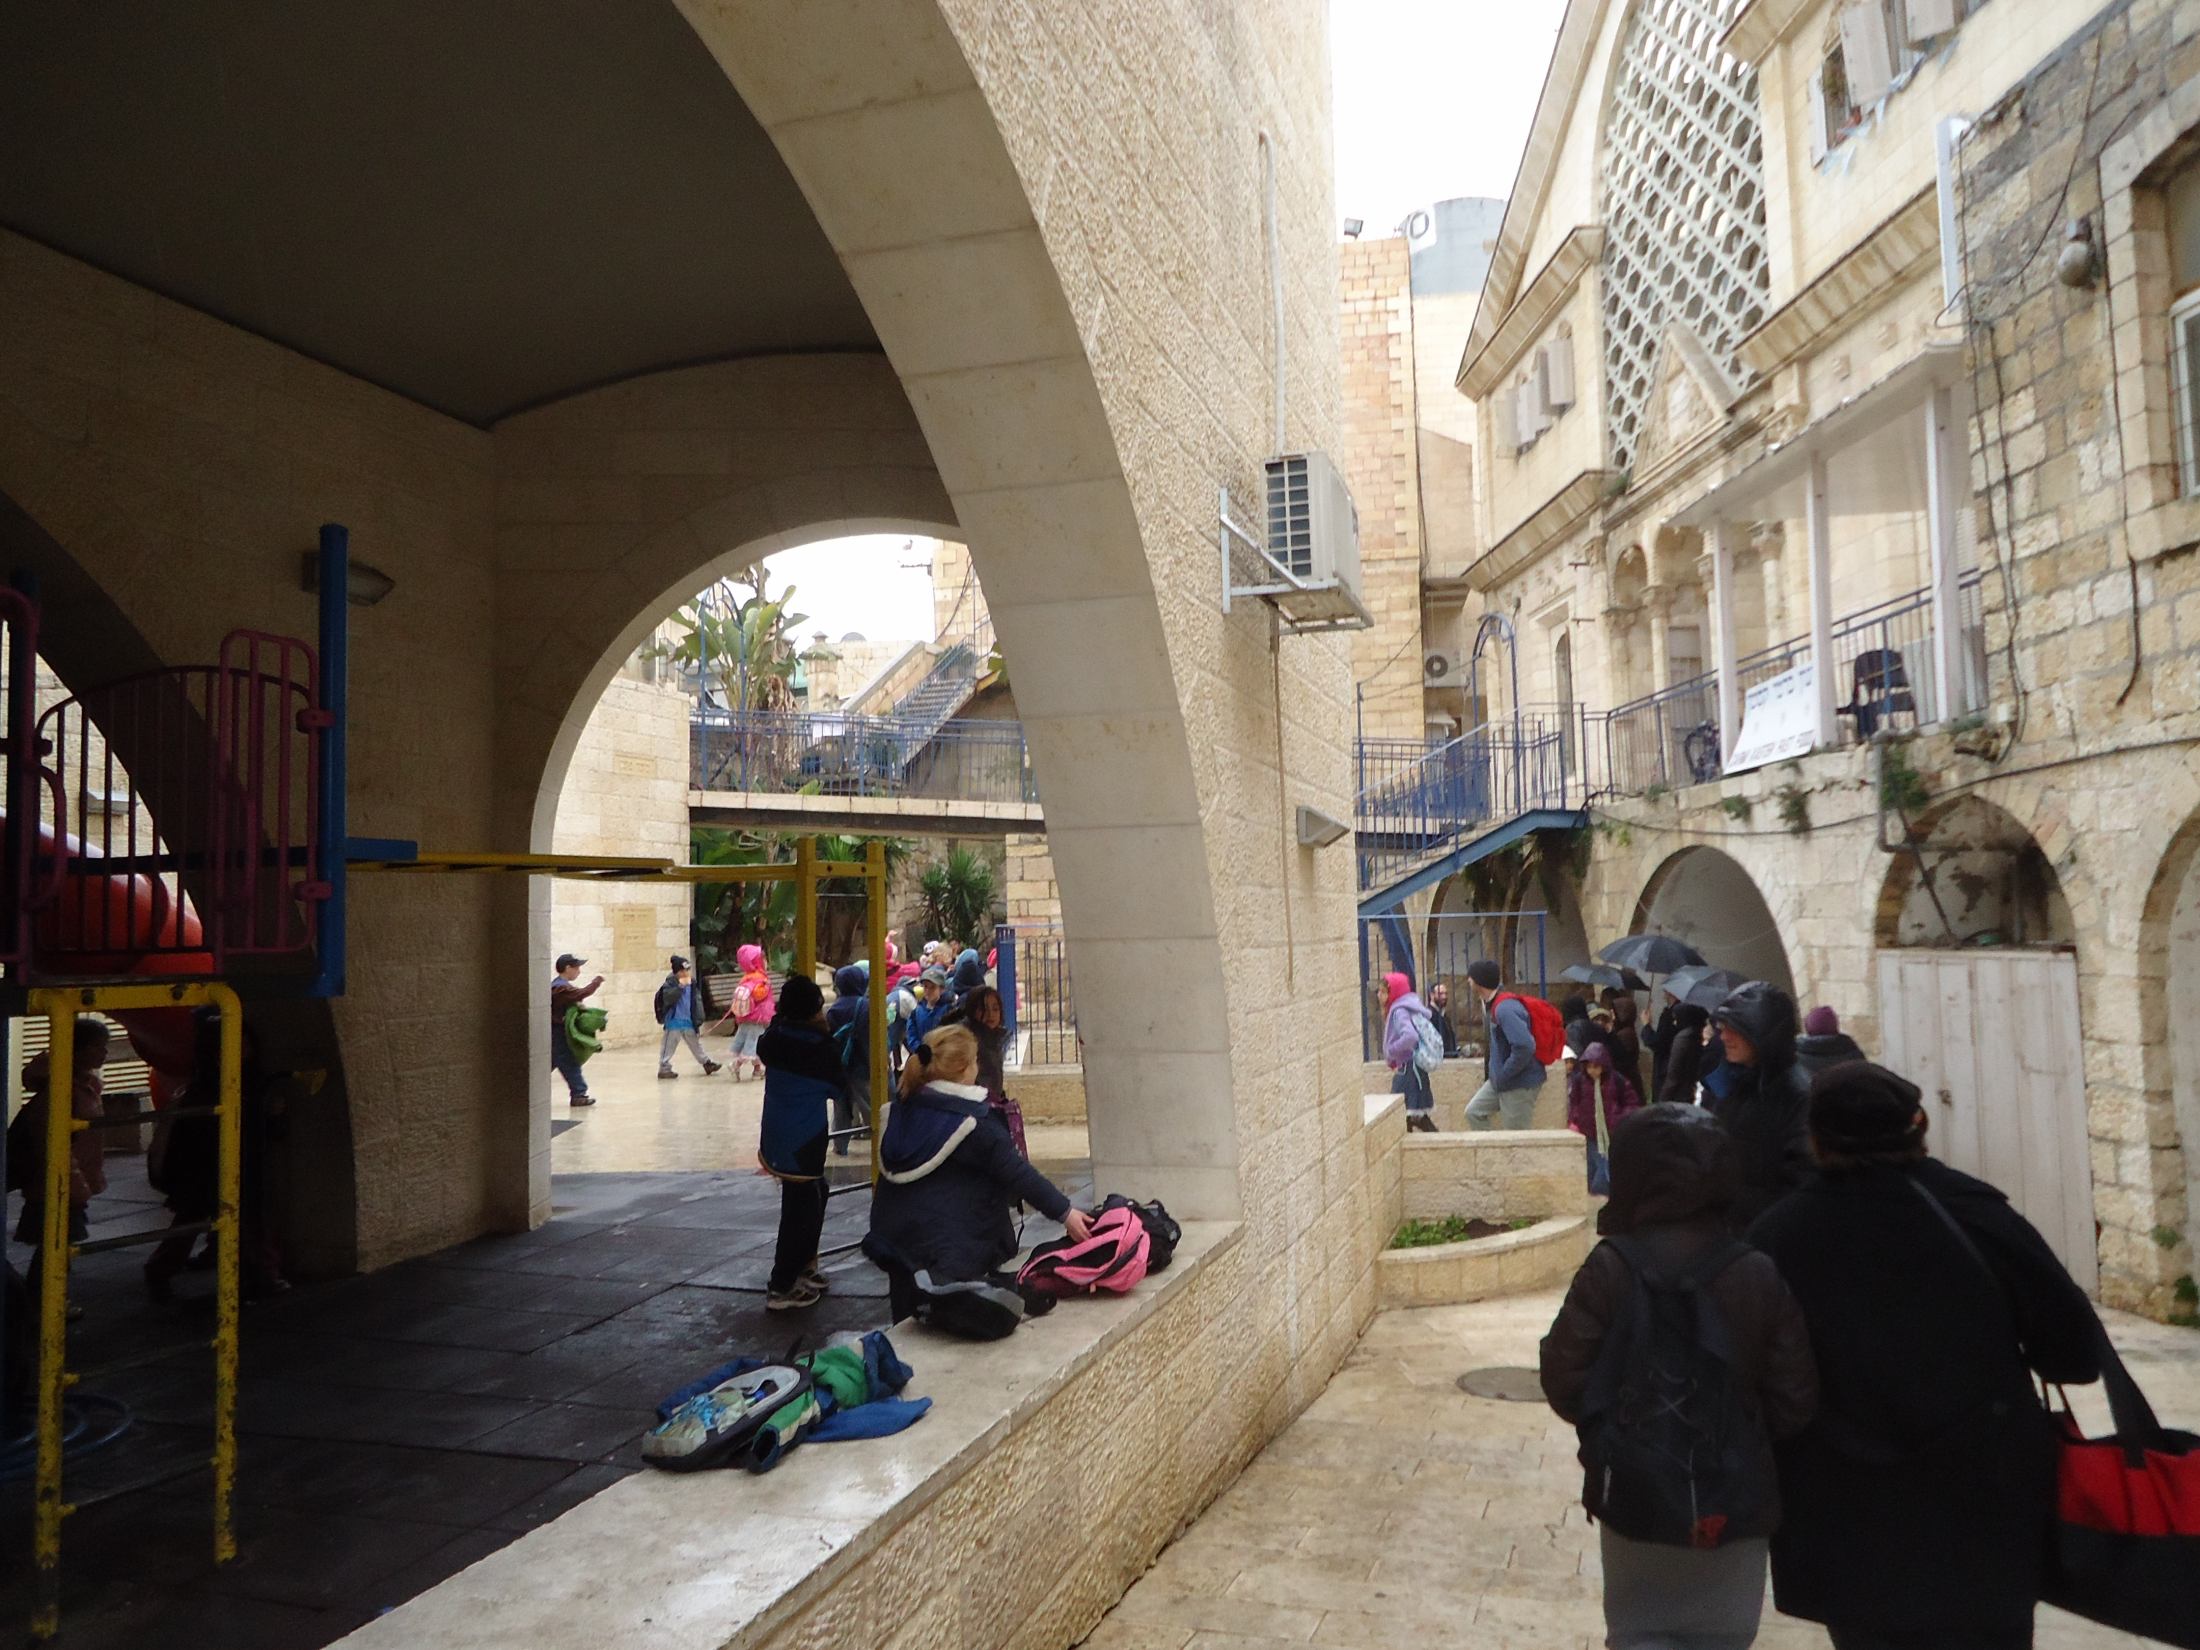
[
  {"x": 1428, "y": 1042},
  {"x": 1544, "y": 1022},
  {"x": 1672, "y": 1452},
  {"x": 667, "y": 998}
]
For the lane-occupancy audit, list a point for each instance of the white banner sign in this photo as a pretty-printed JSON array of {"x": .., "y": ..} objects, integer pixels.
[{"x": 1779, "y": 720}]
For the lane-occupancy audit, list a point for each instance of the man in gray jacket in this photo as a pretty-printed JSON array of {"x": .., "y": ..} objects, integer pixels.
[{"x": 1515, "y": 1079}]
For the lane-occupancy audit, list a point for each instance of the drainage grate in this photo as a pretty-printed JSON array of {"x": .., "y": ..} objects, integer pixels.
[{"x": 1507, "y": 1381}]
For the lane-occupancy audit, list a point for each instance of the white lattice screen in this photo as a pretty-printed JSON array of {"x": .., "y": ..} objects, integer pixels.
[{"x": 1684, "y": 201}]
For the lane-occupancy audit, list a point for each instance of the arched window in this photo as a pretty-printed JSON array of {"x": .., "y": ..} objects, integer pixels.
[{"x": 1684, "y": 202}]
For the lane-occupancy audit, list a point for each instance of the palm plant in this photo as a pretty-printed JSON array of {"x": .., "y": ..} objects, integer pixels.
[
  {"x": 729, "y": 915},
  {"x": 957, "y": 895},
  {"x": 739, "y": 644}
]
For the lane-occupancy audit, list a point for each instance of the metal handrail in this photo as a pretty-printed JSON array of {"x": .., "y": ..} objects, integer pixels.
[{"x": 836, "y": 754}]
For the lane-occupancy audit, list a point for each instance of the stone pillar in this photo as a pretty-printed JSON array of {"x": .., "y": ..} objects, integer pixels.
[
  {"x": 1722, "y": 635},
  {"x": 1946, "y": 475},
  {"x": 1817, "y": 521}
]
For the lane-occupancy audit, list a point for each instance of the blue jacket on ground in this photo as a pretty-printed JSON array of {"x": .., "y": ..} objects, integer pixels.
[{"x": 1512, "y": 1061}]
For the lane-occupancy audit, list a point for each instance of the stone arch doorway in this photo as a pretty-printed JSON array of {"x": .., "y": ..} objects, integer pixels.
[
  {"x": 2169, "y": 1025},
  {"x": 1976, "y": 876},
  {"x": 912, "y": 181},
  {"x": 1706, "y": 897}
]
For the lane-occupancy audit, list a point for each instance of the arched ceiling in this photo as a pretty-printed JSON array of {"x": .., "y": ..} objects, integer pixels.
[{"x": 482, "y": 206}]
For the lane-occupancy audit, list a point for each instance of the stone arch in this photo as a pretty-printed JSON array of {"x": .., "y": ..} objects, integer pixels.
[
  {"x": 1990, "y": 882},
  {"x": 1706, "y": 897},
  {"x": 2168, "y": 986},
  {"x": 910, "y": 175}
]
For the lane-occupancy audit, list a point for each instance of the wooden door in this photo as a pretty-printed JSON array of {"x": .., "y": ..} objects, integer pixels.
[{"x": 1992, "y": 1037}]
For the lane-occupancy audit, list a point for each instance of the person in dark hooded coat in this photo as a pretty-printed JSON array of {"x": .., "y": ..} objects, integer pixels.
[
  {"x": 1675, "y": 1174},
  {"x": 803, "y": 1076},
  {"x": 969, "y": 974},
  {"x": 1919, "y": 1502},
  {"x": 948, "y": 1176},
  {"x": 1680, "y": 1063},
  {"x": 849, "y": 1020},
  {"x": 1760, "y": 1096},
  {"x": 1824, "y": 1044}
]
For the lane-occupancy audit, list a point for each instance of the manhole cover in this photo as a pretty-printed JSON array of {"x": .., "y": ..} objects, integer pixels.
[{"x": 1507, "y": 1381}]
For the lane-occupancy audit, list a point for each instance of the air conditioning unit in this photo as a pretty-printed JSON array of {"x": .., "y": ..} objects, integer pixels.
[
  {"x": 1313, "y": 529},
  {"x": 1443, "y": 669}
]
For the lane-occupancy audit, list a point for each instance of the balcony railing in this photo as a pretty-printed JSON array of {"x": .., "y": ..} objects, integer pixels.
[
  {"x": 868, "y": 756},
  {"x": 1418, "y": 802}
]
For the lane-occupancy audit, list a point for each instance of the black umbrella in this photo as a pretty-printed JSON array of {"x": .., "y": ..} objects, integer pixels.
[
  {"x": 1704, "y": 986},
  {"x": 1652, "y": 953},
  {"x": 1604, "y": 974}
]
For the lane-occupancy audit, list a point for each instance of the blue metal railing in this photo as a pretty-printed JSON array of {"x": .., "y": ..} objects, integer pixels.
[
  {"x": 871, "y": 756},
  {"x": 1031, "y": 963},
  {"x": 1416, "y": 804}
]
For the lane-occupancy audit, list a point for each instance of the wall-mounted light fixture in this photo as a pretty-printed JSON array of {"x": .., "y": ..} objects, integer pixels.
[
  {"x": 1318, "y": 830},
  {"x": 1352, "y": 228},
  {"x": 367, "y": 585}
]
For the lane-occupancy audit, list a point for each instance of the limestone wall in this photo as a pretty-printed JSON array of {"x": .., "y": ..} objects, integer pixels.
[
  {"x": 1381, "y": 460},
  {"x": 1495, "y": 1175},
  {"x": 626, "y": 793}
]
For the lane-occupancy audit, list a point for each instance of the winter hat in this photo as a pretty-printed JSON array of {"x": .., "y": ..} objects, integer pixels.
[
  {"x": 800, "y": 998},
  {"x": 678, "y": 962},
  {"x": 1821, "y": 1022},
  {"x": 1596, "y": 1054},
  {"x": 1483, "y": 972},
  {"x": 1861, "y": 1109}
]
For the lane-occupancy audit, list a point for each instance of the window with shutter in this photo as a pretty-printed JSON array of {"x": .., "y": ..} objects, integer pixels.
[
  {"x": 1924, "y": 20},
  {"x": 1562, "y": 369},
  {"x": 1821, "y": 130},
  {"x": 1867, "y": 51}
]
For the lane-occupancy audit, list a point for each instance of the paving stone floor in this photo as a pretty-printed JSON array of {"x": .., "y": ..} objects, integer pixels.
[
  {"x": 1398, "y": 1513},
  {"x": 396, "y": 1427}
]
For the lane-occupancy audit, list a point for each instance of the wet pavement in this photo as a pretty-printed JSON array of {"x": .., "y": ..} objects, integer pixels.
[{"x": 396, "y": 1427}]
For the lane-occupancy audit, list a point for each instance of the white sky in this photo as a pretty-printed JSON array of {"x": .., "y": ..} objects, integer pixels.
[{"x": 1433, "y": 100}]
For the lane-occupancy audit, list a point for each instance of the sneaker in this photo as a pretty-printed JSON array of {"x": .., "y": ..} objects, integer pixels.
[
  {"x": 666, "y": 1074},
  {"x": 817, "y": 1280},
  {"x": 581, "y": 1100},
  {"x": 804, "y": 1293},
  {"x": 711, "y": 1068}
]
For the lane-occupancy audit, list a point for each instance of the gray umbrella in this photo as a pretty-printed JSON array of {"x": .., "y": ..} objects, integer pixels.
[
  {"x": 1704, "y": 986},
  {"x": 1604, "y": 974},
  {"x": 1652, "y": 953}
]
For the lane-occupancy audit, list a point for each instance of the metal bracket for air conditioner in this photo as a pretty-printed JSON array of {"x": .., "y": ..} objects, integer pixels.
[{"x": 1304, "y": 607}]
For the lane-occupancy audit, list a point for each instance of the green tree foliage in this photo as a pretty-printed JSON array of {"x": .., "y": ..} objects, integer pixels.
[
  {"x": 958, "y": 898},
  {"x": 729, "y": 915},
  {"x": 741, "y": 646}
]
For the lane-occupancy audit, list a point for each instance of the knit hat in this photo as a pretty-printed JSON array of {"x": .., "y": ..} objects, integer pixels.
[
  {"x": 1484, "y": 973},
  {"x": 800, "y": 998},
  {"x": 1821, "y": 1022},
  {"x": 1859, "y": 1109}
]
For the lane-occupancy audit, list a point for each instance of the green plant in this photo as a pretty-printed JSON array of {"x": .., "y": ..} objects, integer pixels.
[
  {"x": 729, "y": 915},
  {"x": 1617, "y": 832},
  {"x": 2166, "y": 1237},
  {"x": 1901, "y": 787},
  {"x": 1795, "y": 809},
  {"x": 1736, "y": 807},
  {"x": 2186, "y": 1290},
  {"x": 741, "y": 646},
  {"x": 957, "y": 895},
  {"x": 1656, "y": 792},
  {"x": 1426, "y": 1234}
]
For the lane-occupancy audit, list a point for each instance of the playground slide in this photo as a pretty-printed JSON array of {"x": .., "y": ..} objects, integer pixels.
[{"x": 128, "y": 924}]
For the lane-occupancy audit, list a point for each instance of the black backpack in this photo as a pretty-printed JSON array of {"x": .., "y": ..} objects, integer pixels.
[
  {"x": 1673, "y": 1453},
  {"x": 1162, "y": 1232}
]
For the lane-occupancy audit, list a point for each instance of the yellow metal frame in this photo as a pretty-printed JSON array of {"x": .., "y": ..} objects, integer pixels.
[
  {"x": 61, "y": 1005},
  {"x": 806, "y": 872}
]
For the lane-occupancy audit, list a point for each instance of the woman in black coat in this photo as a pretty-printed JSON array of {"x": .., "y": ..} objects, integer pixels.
[
  {"x": 1680, "y": 1058},
  {"x": 1918, "y": 1504}
]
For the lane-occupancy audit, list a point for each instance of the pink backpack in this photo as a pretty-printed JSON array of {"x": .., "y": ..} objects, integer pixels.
[{"x": 1113, "y": 1259}]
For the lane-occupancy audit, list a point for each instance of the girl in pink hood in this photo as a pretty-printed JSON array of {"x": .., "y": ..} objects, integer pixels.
[
  {"x": 1403, "y": 1017},
  {"x": 752, "y": 1009}
]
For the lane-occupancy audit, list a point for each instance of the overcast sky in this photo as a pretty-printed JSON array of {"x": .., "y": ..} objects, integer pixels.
[{"x": 1433, "y": 100}]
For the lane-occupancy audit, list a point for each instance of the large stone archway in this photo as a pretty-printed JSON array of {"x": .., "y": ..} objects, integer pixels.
[{"x": 1706, "y": 897}]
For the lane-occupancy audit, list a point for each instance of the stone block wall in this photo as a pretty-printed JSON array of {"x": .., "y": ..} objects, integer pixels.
[
  {"x": 1497, "y": 1175},
  {"x": 1381, "y": 462},
  {"x": 626, "y": 793}
]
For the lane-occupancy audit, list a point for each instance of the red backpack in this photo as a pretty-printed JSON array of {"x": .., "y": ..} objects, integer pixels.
[{"x": 1543, "y": 1020}]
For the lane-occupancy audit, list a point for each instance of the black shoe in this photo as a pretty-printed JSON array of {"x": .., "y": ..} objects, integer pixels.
[
  {"x": 1420, "y": 1122},
  {"x": 666, "y": 1075},
  {"x": 580, "y": 1100},
  {"x": 711, "y": 1068}
]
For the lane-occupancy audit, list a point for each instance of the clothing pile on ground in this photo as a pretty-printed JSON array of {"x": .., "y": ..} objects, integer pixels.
[{"x": 752, "y": 1411}]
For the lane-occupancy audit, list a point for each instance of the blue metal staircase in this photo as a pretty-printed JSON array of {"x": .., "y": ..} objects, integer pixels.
[{"x": 1425, "y": 813}]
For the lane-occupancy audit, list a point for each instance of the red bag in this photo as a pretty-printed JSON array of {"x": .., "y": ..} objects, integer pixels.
[
  {"x": 1544, "y": 1020},
  {"x": 2126, "y": 1549}
]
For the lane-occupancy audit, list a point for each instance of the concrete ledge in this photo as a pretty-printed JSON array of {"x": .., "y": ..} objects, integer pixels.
[
  {"x": 1049, "y": 1094},
  {"x": 1454, "y": 1083},
  {"x": 1494, "y": 1175},
  {"x": 845, "y": 1542},
  {"x": 1541, "y": 1256}
]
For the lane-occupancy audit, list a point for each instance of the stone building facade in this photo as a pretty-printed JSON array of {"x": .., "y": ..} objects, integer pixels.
[{"x": 1866, "y": 424}]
